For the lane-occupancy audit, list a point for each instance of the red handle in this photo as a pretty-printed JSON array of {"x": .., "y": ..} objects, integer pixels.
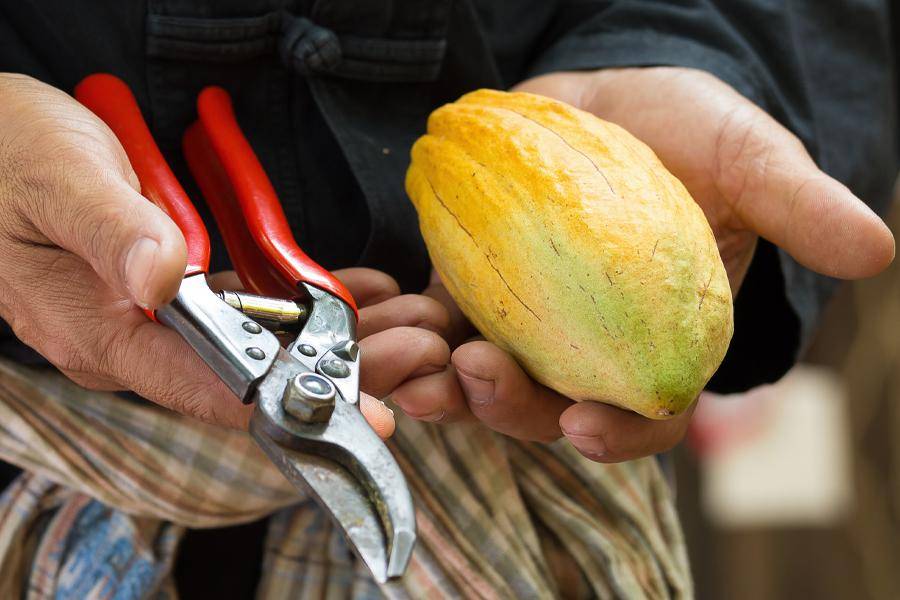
[
  {"x": 256, "y": 272},
  {"x": 237, "y": 189},
  {"x": 109, "y": 98}
]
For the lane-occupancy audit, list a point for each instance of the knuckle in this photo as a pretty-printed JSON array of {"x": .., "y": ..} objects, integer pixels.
[
  {"x": 381, "y": 285},
  {"x": 371, "y": 286},
  {"x": 425, "y": 312},
  {"x": 427, "y": 345},
  {"x": 51, "y": 150},
  {"x": 98, "y": 224},
  {"x": 196, "y": 400},
  {"x": 738, "y": 149},
  {"x": 747, "y": 148}
]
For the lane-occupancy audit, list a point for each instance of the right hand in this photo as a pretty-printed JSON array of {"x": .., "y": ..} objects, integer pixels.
[
  {"x": 752, "y": 178},
  {"x": 81, "y": 250}
]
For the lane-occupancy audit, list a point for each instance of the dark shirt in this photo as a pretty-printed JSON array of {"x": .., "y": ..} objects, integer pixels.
[
  {"x": 335, "y": 136},
  {"x": 332, "y": 93}
]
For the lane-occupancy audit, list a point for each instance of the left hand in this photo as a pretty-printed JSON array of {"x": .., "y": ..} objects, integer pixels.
[{"x": 750, "y": 176}]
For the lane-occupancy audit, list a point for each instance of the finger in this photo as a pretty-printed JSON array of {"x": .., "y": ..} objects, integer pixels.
[
  {"x": 607, "y": 434},
  {"x": 77, "y": 190},
  {"x": 569, "y": 87},
  {"x": 190, "y": 387},
  {"x": 436, "y": 398},
  {"x": 777, "y": 191},
  {"x": 368, "y": 286},
  {"x": 379, "y": 416},
  {"x": 224, "y": 280},
  {"x": 391, "y": 357},
  {"x": 409, "y": 310},
  {"x": 102, "y": 340},
  {"x": 130, "y": 243},
  {"x": 459, "y": 326},
  {"x": 157, "y": 364},
  {"x": 504, "y": 397}
]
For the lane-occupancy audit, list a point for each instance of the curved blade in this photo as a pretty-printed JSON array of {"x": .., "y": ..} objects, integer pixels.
[{"x": 347, "y": 467}]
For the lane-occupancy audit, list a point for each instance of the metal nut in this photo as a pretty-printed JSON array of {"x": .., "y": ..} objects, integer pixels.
[{"x": 309, "y": 397}]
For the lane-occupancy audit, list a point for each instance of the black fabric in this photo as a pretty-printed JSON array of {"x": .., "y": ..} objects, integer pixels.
[
  {"x": 821, "y": 68},
  {"x": 220, "y": 563},
  {"x": 766, "y": 328},
  {"x": 824, "y": 69},
  {"x": 332, "y": 93}
]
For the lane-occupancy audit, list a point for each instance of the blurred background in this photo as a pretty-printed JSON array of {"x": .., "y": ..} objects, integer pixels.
[{"x": 793, "y": 491}]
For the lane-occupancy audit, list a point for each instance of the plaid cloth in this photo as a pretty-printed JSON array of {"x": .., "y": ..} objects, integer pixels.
[{"x": 110, "y": 485}]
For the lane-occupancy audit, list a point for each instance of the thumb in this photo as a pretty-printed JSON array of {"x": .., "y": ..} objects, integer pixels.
[
  {"x": 132, "y": 245},
  {"x": 68, "y": 183},
  {"x": 777, "y": 191}
]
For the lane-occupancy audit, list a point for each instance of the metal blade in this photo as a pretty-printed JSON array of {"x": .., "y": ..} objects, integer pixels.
[
  {"x": 233, "y": 346},
  {"x": 348, "y": 468},
  {"x": 344, "y": 498}
]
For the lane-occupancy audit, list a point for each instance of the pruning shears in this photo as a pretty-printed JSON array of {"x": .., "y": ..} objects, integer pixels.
[{"x": 307, "y": 417}]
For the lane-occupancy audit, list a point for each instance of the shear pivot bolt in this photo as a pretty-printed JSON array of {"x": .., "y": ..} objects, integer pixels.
[
  {"x": 335, "y": 368},
  {"x": 251, "y": 327},
  {"x": 255, "y": 353},
  {"x": 309, "y": 397}
]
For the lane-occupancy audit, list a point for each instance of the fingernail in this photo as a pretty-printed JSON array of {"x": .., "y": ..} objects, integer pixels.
[
  {"x": 591, "y": 446},
  {"x": 477, "y": 390},
  {"x": 436, "y": 417},
  {"x": 433, "y": 417},
  {"x": 594, "y": 457},
  {"x": 139, "y": 265}
]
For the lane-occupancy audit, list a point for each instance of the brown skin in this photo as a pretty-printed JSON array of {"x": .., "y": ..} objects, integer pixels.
[
  {"x": 751, "y": 177},
  {"x": 70, "y": 211}
]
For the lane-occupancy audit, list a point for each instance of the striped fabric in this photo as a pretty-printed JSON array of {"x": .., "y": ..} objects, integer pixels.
[{"x": 111, "y": 484}]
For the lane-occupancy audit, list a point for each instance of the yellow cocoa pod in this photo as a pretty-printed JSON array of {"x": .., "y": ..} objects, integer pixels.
[{"x": 567, "y": 243}]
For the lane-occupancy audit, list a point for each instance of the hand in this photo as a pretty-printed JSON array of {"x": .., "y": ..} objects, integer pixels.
[
  {"x": 751, "y": 177},
  {"x": 401, "y": 337},
  {"x": 81, "y": 250}
]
